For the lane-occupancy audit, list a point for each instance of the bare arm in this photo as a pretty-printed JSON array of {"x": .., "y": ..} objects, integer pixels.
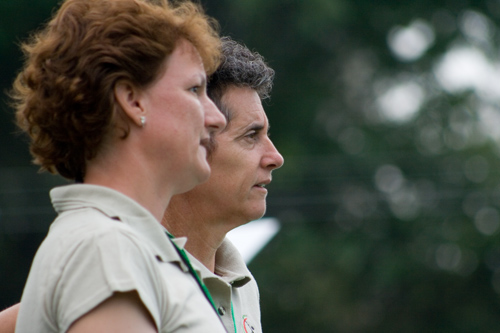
[
  {"x": 122, "y": 312},
  {"x": 8, "y": 319}
]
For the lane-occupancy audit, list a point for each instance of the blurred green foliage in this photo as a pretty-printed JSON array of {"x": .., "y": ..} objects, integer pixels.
[{"x": 390, "y": 194}]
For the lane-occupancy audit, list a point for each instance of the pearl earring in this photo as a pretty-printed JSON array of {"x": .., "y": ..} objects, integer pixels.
[{"x": 143, "y": 121}]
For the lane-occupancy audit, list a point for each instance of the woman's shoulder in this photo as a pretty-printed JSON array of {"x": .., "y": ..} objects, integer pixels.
[{"x": 87, "y": 223}]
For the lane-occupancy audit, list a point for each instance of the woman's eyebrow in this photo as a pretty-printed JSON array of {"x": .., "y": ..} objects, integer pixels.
[{"x": 255, "y": 127}]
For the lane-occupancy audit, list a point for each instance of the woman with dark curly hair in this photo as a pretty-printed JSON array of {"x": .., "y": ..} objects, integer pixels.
[
  {"x": 113, "y": 96},
  {"x": 242, "y": 161}
]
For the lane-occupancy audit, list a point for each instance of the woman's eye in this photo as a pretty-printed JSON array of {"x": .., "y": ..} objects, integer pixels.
[
  {"x": 252, "y": 135},
  {"x": 195, "y": 89}
]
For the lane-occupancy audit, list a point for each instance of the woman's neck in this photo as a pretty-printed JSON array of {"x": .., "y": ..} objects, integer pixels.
[
  {"x": 204, "y": 236},
  {"x": 131, "y": 180}
]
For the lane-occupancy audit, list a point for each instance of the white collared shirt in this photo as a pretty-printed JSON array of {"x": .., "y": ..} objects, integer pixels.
[
  {"x": 104, "y": 242},
  {"x": 232, "y": 282}
]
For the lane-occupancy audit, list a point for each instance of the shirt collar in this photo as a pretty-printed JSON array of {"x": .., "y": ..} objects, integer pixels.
[
  {"x": 229, "y": 266},
  {"x": 120, "y": 207}
]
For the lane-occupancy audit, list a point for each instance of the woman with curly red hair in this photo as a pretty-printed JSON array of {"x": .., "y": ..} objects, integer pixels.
[{"x": 113, "y": 96}]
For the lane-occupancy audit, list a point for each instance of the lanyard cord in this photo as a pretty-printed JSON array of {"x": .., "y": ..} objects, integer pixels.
[
  {"x": 204, "y": 288},
  {"x": 186, "y": 261},
  {"x": 232, "y": 314}
]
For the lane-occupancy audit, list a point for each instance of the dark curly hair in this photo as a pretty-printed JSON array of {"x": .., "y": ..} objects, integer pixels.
[
  {"x": 63, "y": 96},
  {"x": 242, "y": 68}
]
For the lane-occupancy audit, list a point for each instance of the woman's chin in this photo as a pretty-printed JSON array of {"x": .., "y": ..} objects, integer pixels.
[
  {"x": 203, "y": 172},
  {"x": 198, "y": 176}
]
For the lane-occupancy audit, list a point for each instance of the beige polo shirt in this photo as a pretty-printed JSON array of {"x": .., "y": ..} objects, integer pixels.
[
  {"x": 232, "y": 282},
  {"x": 104, "y": 242}
]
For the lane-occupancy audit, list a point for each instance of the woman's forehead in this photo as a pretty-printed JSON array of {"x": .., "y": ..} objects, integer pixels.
[{"x": 245, "y": 107}]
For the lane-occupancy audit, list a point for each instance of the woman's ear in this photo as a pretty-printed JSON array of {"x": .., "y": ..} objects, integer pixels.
[{"x": 129, "y": 99}]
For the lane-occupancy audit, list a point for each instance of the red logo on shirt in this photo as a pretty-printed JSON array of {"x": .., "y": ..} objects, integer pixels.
[{"x": 247, "y": 326}]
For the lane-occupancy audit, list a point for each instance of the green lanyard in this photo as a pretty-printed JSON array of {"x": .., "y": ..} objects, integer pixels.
[
  {"x": 186, "y": 260},
  {"x": 232, "y": 314},
  {"x": 204, "y": 288}
]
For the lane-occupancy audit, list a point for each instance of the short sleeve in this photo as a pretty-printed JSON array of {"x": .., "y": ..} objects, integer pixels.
[{"x": 98, "y": 266}]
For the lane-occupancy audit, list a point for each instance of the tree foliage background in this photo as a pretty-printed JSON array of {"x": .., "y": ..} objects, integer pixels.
[{"x": 388, "y": 116}]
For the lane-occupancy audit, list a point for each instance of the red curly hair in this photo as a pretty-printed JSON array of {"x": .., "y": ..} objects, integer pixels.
[{"x": 63, "y": 96}]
